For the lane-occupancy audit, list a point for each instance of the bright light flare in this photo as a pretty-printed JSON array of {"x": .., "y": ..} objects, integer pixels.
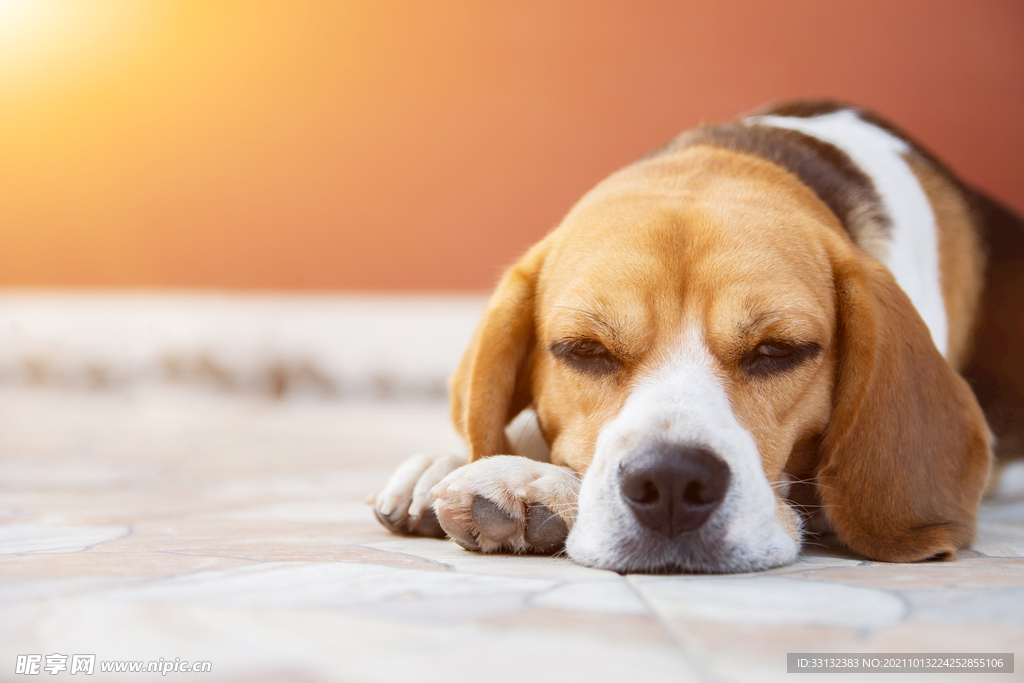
[{"x": 44, "y": 42}]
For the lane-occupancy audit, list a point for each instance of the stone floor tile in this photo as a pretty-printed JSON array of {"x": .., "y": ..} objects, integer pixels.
[
  {"x": 324, "y": 585},
  {"x": 744, "y": 653},
  {"x": 97, "y": 563},
  {"x": 323, "y": 644},
  {"x": 350, "y": 486},
  {"x": 115, "y": 507},
  {"x": 817, "y": 554},
  {"x": 252, "y": 539},
  {"x": 56, "y": 590},
  {"x": 979, "y": 572},
  {"x": 939, "y": 638},
  {"x": 453, "y": 555},
  {"x": 769, "y": 600},
  {"x": 38, "y": 538},
  {"x": 1000, "y": 538},
  {"x": 606, "y": 597},
  {"x": 615, "y": 626},
  {"x": 233, "y": 530},
  {"x": 299, "y": 511},
  {"x": 967, "y": 606}
]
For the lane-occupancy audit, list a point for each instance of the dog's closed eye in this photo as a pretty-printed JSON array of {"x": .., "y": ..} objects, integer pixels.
[
  {"x": 773, "y": 357},
  {"x": 588, "y": 356}
]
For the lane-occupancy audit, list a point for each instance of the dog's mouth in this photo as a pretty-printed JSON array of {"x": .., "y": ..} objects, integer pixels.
[
  {"x": 703, "y": 551},
  {"x": 707, "y": 550},
  {"x": 694, "y": 552},
  {"x": 673, "y": 508}
]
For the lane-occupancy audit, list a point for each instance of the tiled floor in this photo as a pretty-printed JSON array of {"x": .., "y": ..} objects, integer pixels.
[{"x": 141, "y": 526}]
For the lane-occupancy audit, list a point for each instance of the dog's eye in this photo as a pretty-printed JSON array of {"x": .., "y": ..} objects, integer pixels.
[
  {"x": 586, "y": 355},
  {"x": 776, "y": 356},
  {"x": 589, "y": 349},
  {"x": 774, "y": 350}
]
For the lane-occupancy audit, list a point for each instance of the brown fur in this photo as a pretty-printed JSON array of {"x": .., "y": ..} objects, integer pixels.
[
  {"x": 699, "y": 235},
  {"x": 488, "y": 388},
  {"x": 906, "y": 455},
  {"x": 996, "y": 368}
]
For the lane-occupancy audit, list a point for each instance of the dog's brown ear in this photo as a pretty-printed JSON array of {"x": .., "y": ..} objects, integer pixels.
[
  {"x": 907, "y": 451},
  {"x": 491, "y": 385}
]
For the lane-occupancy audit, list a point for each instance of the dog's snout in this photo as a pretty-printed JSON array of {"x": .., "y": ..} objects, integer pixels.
[{"x": 672, "y": 489}]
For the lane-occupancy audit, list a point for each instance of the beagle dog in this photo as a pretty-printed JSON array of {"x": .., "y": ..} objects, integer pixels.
[{"x": 765, "y": 323}]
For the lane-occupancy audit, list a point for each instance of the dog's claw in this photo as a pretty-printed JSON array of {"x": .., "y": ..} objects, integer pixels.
[
  {"x": 545, "y": 531},
  {"x": 389, "y": 523},
  {"x": 466, "y": 543},
  {"x": 428, "y": 525},
  {"x": 399, "y": 523},
  {"x": 403, "y": 506}
]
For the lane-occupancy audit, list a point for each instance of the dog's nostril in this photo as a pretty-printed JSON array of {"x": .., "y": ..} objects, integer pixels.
[
  {"x": 642, "y": 492},
  {"x": 692, "y": 494},
  {"x": 672, "y": 489},
  {"x": 650, "y": 493}
]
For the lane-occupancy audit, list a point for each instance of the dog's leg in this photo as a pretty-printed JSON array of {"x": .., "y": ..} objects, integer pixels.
[
  {"x": 508, "y": 503},
  {"x": 403, "y": 505}
]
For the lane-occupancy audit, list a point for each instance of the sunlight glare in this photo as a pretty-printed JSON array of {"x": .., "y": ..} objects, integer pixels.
[
  {"x": 47, "y": 41},
  {"x": 20, "y": 20}
]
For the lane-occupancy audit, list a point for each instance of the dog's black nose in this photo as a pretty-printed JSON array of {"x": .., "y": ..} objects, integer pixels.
[{"x": 672, "y": 489}]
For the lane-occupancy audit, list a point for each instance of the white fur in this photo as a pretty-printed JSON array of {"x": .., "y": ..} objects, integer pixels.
[
  {"x": 913, "y": 254},
  {"x": 682, "y": 403},
  {"x": 513, "y": 483},
  {"x": 407, "y": 492}
]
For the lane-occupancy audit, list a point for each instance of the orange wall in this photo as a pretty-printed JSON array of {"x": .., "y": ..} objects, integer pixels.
[{"x": 367, "y": 144}]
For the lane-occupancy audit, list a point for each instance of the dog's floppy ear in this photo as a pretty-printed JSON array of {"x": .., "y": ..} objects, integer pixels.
[
  {"x": 907, "y": 452},
  {"x": 491, "y": 385}
]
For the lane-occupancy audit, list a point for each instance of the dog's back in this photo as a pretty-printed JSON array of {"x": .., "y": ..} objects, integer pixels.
[{"x": 996, "y": 367}]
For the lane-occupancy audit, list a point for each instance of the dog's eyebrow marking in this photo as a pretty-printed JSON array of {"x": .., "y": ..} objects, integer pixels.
[
  {"x": 578, "y": 327},
  {"x": 578, "y": 323},
  {"x": 788, "y": 321},
  {"x": 592, "y": 319},
  {"x": 753, "y": 322}
]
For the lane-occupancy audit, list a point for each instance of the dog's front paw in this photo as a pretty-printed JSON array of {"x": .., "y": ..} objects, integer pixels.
[
  {"x": 508, "y": 503},
  {"x": 404, "y": 504}
]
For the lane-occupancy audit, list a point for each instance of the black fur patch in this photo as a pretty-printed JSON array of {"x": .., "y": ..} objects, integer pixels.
[{"x": 822, "y": 167}]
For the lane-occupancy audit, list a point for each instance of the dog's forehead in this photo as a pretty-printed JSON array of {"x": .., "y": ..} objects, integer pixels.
[{"x": 706, "y": 235}]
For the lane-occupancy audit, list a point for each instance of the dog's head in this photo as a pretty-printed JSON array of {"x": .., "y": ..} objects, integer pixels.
[{"x": 700, "y": 337}]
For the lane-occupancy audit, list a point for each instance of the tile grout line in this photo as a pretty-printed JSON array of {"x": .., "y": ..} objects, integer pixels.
[{"x": 690, "y": 656}]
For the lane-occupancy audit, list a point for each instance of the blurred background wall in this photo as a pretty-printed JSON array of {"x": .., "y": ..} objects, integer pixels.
[{"x": 378, "y": 145}]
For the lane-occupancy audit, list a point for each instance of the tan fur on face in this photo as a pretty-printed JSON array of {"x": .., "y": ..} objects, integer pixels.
[
  {"x": 727, "y": 243},
  {"x": 699, "y": 247}
]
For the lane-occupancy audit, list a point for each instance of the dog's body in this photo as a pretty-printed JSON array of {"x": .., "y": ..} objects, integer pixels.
[{"x": 764, "y": 317}]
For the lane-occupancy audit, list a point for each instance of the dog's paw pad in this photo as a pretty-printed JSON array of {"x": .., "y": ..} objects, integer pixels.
[
  {"x": 545, "y": 531},
  {"x": 491, "y": 521}
]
